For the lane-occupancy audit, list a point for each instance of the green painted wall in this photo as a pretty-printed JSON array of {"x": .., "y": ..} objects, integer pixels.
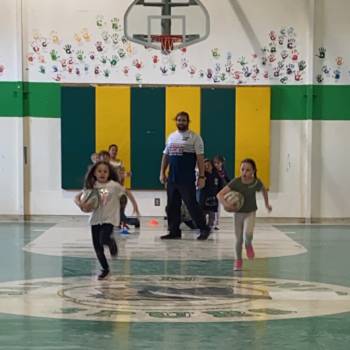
[
  {"x": 331, "y": 102},
  {"x": 288, "y": 102},
  {"x": 42, "y": 100},
  {"x": 11, "y": 102}
]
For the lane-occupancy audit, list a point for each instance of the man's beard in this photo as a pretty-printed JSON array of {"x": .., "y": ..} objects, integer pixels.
[{"x": 182, "y": 127}]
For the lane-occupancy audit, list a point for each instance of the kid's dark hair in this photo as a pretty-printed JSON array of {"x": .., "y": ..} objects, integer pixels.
[
  {"x": 90, "y": 178},
  {"x": 219, "y": 158},
  {"x": 113, "y": 145},
  {"x": 207, "y": 160},
  {"x": 183, "y": 114},
  {"x": 252, "y": 163}
]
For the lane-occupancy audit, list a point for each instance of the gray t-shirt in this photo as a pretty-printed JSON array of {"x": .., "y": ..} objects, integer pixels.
[
  {"x": 248, "y": 191},
  {"x": 108, "y": 212}
]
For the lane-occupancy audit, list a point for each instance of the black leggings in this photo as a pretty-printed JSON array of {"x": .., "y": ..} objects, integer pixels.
[
  {"x": 123, "y": 203},
  {"x": 101, "y": 235}
]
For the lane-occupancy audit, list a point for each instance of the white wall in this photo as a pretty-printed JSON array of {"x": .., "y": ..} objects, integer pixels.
[
  {"x": 11, "y": 160},
  {"x": 232, "y": 54},
  {"x": 331, "y": 172},
  {"x": 9, "y": 41},
  {"x": 331, "y": 32},
  {"x": 11, "y": 128}
]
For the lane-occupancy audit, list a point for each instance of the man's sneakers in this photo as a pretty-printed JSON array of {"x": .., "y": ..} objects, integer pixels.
[
  {"x": 204, "y": 234},
  {"x": 250, "y": 251},
  {"x": 190, "y": 224},
  {"x": 237, "y": 265},
  {"x": 171, "y": 236},
  {"x": 103, "y": 275}
]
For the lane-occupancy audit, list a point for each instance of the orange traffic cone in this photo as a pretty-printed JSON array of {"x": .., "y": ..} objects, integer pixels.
[{"x": 153, "y": 222}]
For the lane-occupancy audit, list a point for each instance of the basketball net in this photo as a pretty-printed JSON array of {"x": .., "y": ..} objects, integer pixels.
[{"x": 167, "y": 41}]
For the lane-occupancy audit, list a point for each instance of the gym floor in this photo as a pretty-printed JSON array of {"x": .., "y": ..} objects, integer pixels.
[{"x": 174, "y": 294}]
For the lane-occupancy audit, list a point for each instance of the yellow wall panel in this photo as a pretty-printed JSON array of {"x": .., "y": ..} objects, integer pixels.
[
  {"x": 186, "y": 99},
  {"x": 113, "y": 121},
  {"x": 253, "y": 129}
]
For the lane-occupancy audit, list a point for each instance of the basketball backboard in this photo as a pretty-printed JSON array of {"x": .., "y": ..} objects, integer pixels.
[{"x": 166, "y": 24}]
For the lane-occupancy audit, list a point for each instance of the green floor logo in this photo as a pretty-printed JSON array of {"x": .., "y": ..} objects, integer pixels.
[{"x": 172, "y": 299}]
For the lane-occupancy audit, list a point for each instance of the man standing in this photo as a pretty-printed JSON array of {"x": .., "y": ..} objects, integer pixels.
[{"x": 184, "y": 149}]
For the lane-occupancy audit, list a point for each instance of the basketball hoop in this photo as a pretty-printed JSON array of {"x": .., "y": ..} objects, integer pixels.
[
  {"x": 167, "y": 41},
  {"x": 166, "y": 25}
]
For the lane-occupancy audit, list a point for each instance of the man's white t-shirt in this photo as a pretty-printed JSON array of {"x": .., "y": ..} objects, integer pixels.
[{"x": 182, "y": 149}]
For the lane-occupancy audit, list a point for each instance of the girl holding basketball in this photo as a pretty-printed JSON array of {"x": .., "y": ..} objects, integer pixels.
[
  {"x": 247, "y": 184},
  {"x": 101, "y": 176}
]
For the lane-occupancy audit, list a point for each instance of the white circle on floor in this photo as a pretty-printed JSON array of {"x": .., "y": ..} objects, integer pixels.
[
  {"x": 172, "y": 299},
  {"x": 145, "y": 244}
]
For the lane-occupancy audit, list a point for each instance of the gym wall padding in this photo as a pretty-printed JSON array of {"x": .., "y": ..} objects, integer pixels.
[
  {"x": 218, "y": 124},
  {"x": 183, "y": 98},
  {"x": 136, "y": 119},
  {"x": 77, "y": 134},
  {"x": 113, "y": 121},
  {"x": 147, "y": 136},
  {"x": 253, "y": 129}
]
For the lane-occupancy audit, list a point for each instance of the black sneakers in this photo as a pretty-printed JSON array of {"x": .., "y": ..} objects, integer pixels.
[
  {"x": 134, "y": 222},
  {"x": 171, "y": 236},
  {"x": 103, "y": 275},
  {"x": 190, "y": 224},
  {"x": 204, "y": 234},
  {"x": 113, "y": 248}
]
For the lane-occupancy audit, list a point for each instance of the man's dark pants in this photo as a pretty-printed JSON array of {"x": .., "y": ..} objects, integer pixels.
[{"x": 187, "y": 193}]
